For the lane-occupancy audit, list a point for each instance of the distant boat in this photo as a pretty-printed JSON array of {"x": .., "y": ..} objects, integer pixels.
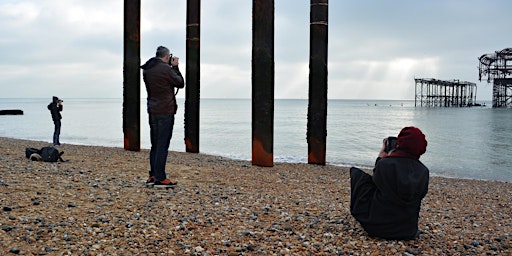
[{"x": 11, "y": 112}]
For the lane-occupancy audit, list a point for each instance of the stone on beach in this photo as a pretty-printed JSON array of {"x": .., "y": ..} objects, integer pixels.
[{"x": 97, "y": 204}]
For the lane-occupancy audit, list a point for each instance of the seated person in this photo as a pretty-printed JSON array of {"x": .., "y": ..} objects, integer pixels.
[{"x": 387, "y": 204}]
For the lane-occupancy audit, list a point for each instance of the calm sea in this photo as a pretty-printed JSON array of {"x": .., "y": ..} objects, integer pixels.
[{"x": 462, "y": 142}]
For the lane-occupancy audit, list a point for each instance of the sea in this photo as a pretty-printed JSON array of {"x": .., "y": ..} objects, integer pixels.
[{"x": 463, "y": 142}]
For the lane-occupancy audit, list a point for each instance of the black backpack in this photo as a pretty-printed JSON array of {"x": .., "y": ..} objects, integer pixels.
[
  {"x": 30, "y": 151},
  {"x": 48, "y": 154}
]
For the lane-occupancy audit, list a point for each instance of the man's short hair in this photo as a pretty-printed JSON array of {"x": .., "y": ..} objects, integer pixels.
[{"x": 162, "y": 51}]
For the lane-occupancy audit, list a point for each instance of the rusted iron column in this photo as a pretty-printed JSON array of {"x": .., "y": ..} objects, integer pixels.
[
  {"x": 317, "y": 107},
  {"x": 263, "y": 82},
  {"x": 131, "y": 75},
  {"x": 192, "y": 76}
]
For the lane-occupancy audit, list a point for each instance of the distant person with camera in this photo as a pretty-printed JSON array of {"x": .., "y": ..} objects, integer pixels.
[
  {"x": 55, "y": 108},
  {"x": 161, "y": 75},
  {"x": 387, "y": 204}
]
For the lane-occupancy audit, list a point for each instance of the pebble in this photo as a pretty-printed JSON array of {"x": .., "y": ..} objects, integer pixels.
[{"x": 97, "y": 204}]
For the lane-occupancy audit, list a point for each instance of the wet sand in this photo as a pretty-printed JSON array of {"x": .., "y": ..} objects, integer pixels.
[{"x": 97, "y": 204}]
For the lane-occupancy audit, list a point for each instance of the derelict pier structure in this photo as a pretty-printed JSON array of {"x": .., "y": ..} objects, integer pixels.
[
  {"x": 497, "y": 67},
  {"x": 430, "y": 92}
]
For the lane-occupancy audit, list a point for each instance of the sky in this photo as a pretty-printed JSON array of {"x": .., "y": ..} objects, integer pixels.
[{"x": 74, "y": 48}]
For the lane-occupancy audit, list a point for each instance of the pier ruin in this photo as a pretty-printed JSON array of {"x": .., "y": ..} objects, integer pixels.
[
  {"x": 497, "y": 67},
  {"x": 430, "y": 92}
]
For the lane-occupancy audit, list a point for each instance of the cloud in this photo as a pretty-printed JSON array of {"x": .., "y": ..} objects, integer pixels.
[
  {"x": 226, "y": 81},
  {"x": 376, "y": 48},
  {"x": 380, "y": 79},
  {"x": 18, "y": 15}
]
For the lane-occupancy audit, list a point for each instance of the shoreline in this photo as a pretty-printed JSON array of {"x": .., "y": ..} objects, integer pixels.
[
  {"x": 97, "y": 203},
  {"x": 347, "y": 166},
  {"x": 480, "y": 159}
]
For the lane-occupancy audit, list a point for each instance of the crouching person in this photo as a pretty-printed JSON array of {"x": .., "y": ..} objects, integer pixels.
[{"x": 387, "y": 204}]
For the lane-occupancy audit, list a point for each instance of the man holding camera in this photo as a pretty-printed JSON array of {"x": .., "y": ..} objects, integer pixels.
[
  {"x": 161, "y": 75},
  {"x": 55, "y": 108},
  {"x": 387, "y": 204}
]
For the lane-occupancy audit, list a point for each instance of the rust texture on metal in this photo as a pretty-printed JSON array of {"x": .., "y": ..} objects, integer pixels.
[
  {"x": 497, "y": 67},
  {"x": 317, "y": 106},
  {"x": 432, "y": 92},
  {"x": 131, "y": 75},
  {"x": 192, "y": 77},
  {"x": 263, "y": 83}
]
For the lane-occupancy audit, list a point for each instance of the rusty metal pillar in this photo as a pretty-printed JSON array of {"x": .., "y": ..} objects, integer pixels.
[
  {"x": 263, "y": 82},
  {"x": 317, "y": 107},
  {"x": 192, "y": 79},
  {"x": 131, "y": 75}
]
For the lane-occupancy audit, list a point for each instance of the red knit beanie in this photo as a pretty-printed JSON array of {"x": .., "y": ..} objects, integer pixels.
[{"x": 412, "y": 142}]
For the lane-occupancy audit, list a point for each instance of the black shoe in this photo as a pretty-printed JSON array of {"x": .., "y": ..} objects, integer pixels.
[
  {"x": 150, "y": 181},
  {"x": 165, "y": 183}
]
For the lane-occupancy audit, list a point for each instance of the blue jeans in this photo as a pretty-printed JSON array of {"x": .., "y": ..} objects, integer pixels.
[
  {"x": 161, "y": 133},
  {"x": 56, "y": 133}
]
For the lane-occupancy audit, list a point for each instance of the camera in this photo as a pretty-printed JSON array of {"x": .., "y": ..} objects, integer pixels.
[
  {"x": 391, "y": 143},
  {"x": 171, "y": 57},
  {"x": 173, "y": 60}
]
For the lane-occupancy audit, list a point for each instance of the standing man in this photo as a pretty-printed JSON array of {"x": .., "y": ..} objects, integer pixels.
[
  {"x": 161, "y": 75},
  {"x": 55, "y": 108}
]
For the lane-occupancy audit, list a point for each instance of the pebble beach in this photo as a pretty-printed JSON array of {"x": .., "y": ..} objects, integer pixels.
[{"x": 96, "y": 203}]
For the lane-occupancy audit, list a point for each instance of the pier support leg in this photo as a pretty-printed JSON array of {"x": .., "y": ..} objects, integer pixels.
[
  {"x": 263, "y": 83},
  {"x": 317, "y": 107},
  {"x": 131, "y": 75},
  {"x": 192, "y": 79}
]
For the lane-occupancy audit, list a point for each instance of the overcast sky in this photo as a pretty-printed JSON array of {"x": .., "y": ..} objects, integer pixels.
[{"x": 74, "y": 48}]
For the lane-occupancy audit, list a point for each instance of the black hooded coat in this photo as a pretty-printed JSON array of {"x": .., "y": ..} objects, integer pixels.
[
  {"x": 387, "y": 204},
  {"x": 55, "y": 109}
]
